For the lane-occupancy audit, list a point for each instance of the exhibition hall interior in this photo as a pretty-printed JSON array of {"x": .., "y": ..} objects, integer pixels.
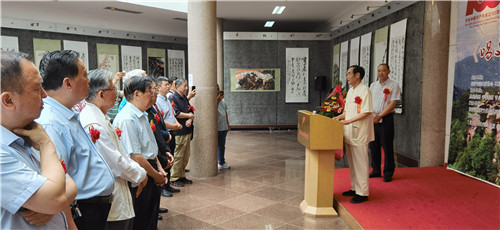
[{"x": 334, "y": 114}]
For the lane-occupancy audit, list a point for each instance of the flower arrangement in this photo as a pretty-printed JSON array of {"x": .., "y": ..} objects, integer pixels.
[
  {"x": 118, "y": 132},
  {"x": 153, "y": 126},
  {"x": 94, "y": 134},
  {"x": 334, "y": 103},
  {"x": 387, "y": 92},
  {"x": 358, "y": 101}
]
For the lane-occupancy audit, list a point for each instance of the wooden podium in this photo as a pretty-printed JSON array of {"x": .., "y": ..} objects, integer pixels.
[{"x": 321, "y": 136}]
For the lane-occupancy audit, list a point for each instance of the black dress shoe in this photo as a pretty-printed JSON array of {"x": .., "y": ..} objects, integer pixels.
[
  {"x": 387, "y": 178},
  {"x": 359, "y": 199},
  {"x": 186, "y": 180},
  {"x": 163, "y": 210},
  {"x": 373, "y": 174},
  {"x": 160, "y": 217},
  {"x": 166, "y": 193},
  {"x": 349, "y": 193},
  {"x": 172, "y": 190}
]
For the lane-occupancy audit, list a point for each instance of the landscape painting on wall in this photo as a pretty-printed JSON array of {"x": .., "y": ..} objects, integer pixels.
[{"x": 255, "y": 80}]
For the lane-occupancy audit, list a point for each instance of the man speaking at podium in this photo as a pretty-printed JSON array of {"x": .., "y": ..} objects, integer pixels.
[{"x": 358, "y": 132}]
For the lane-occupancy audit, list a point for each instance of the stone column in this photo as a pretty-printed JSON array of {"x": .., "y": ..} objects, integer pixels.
[
  {"x": 202, "y": 56},
  {"x": 434, "y": 82},
  {"x": 220, "y": 54}
]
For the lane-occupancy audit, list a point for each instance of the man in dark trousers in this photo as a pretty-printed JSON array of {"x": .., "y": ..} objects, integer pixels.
[{"x": 386, "y": 94}]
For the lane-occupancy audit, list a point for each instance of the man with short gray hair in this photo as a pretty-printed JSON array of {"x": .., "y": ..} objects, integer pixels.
[{"x": 185, "y": 115}]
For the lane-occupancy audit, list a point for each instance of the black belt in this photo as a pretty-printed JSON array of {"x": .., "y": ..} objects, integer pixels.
[{"x": 98, "y": 200}]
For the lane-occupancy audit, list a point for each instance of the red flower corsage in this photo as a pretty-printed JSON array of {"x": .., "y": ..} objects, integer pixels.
[
  {"x": 153, "y": 126},
  {"x": 387, "y": 92},
  {"x": 358, "y": 101},
  {"x": 118, "y": 132},
  {"x": 157, "y": 118},
  {"x": 94, "y": 134},
  {"x": 63, "y": 165},
  {"x": 191, "y": 109}
]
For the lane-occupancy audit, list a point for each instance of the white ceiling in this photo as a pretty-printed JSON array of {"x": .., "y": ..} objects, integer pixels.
[{"x": 238, "y": 15}]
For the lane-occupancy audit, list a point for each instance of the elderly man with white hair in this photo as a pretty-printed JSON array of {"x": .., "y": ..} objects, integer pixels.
[{"x": 102, "y": 95}]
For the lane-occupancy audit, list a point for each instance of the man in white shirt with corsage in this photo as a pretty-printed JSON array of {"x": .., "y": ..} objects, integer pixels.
[
  {"x": 102, "y": 96},
  {"x": 386, "y": 94}
]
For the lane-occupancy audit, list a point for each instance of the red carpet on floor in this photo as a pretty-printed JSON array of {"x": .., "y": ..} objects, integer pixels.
[{"x": 423, "y": 198}]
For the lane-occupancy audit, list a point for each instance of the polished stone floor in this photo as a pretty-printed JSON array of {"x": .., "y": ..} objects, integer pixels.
[{"x": 262, "y": 190}]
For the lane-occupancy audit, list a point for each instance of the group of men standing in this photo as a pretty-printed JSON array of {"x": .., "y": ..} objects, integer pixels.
[
  {"x": 369, "y": 125},
  {"x": 68, "y": 170}
]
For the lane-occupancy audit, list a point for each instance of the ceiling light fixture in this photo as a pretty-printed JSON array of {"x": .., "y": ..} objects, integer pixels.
[
  {"x": 279, "y": 9},
  {"x": 112, "y": 8},
  {"x": 269, "y": 24},
  {"x": 368, "y": 7}
]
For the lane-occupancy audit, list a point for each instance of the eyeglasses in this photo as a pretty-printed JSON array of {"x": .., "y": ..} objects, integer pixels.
[{"x": 153, "y": 90}]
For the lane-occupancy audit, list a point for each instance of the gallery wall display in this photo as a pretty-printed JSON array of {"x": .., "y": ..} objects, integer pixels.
[
  {"x": 397, "y": 56},
  {"x": 131, "y": 58},
  {"x": 255, "y": 80},
  {"x": 380, "y": 50},
  {"x": 10, "y": 43},
  {"x": 176, "y": 63},
  {"x": 81, "y": 47},
  {"x": 364, "y": 57},
  {"x": 344, "y": 52},
  {"x": 336, "y": 64},
  {"x": 43, "y": 46},
  {"x": 297, "y": 75},
  {"x": 156, "y": 62},
  {"x": 475, "y": 124}
]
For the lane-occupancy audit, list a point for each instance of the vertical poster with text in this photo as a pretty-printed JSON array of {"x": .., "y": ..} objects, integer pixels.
[
  {"x": 131, "y": 58},
  {"x": 364, "y": 57},
  {"x": 43, "y": 46},
  {"x": 354, "y": 52},
  {"x": 380, "y": 49},
  {"x": 176, "y": 63},
  {"x": 336, "y": 65},
  {"x": 156, "y": 62},
  {"x": 10, "y": 43},
  {"x": 297, "y": 75},
  {"x": 474, "y": 147},
  {"x": 82, "y": 48},
  {"x": 107, "y": 58},
  {"x": 344, "y": 52},
  {"x": 397, "y": 38}
]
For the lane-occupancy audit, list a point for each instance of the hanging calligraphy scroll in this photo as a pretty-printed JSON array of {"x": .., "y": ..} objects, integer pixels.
[
  {"x": 176, "y": 63},
  {"x": 297, "y": 75},
  {"x": 397, "y": 56},
  {"x": 131, "y": 58}
]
